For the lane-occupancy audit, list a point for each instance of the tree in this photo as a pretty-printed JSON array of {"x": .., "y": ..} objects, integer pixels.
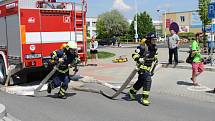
[
  {"x": 203, "y": 12},
  {"x": 111, "y": 24},
  {"x": 144, "y": 25}
]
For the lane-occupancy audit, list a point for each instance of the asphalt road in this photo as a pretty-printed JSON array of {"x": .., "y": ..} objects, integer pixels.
[{"x": 83, "y": 106}]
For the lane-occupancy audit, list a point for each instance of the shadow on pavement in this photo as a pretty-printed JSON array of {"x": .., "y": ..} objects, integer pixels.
[
  {"x": 75, "y": 78},
  {"x": 56, "y": 96},
  {"x": 127, "y": 98},
  {"x": 211, "y": 91},
  {"x": 184, "y": 83}
]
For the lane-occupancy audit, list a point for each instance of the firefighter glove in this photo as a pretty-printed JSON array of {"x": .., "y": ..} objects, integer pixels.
[
  {"x": 141, "y": 60},
  {"x": 151, "y": 74},
  {"x": 77, "y": 61},
  {"x": 46, "y": 65},
  {"x": 75, "y": 69},
  {"x": 61, "y": 60}
]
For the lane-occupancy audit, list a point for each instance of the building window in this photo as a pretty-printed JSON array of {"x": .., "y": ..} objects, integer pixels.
[
  {"x": 94, "y": 24},
  {"x": 88, "y": 23},
  {"x": 94, "y": 32},
  {"x": 182, "y": 18}
]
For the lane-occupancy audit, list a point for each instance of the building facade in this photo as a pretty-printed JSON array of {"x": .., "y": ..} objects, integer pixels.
[
  {"x": 91, "y": 26},
  {"x": 188, "y": 21},
  {"x": 158, "y": 28}
]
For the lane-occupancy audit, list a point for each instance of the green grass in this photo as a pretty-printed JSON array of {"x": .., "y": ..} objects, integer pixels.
[{"x": 102, "y": 55}]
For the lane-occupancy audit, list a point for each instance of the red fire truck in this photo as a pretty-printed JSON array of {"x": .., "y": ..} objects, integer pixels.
[{"x": 31, "y": 29}]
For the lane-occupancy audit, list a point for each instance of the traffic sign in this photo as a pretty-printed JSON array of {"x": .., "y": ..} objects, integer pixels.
[
  {"x": 211, "y": 10},
  {"x": 168, "y": 22},
  {"x": 209, "y": 28}
]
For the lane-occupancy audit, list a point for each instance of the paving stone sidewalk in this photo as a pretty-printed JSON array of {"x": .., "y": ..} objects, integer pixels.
[{"x": 171, "y": 81}]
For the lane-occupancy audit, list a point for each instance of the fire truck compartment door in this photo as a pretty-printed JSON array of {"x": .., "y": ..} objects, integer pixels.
[
  {"x": 55, "y": 30},
  {"x": 3, "y": 38},
  {"x": 13, "y": 35}
]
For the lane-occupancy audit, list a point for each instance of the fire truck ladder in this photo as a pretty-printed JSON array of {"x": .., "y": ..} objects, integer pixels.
[{"x": 79, "y": 27}]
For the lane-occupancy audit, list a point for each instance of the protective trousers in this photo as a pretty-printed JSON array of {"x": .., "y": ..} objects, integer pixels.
[
  {"x": 144, "y": 80},
  {"x": 61, "y": 80}
]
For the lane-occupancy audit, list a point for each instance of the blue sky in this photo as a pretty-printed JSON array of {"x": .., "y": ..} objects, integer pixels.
[{"x": 127, "y": 7}]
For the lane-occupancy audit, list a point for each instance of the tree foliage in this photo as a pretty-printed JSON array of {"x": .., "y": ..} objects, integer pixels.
[
  {"x": 144, "y": 25},
  {"x": 111, "y": 24},
  {"x": 203, "y": 12}
]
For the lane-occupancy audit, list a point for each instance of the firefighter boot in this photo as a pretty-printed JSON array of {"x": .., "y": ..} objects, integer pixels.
[
  {"x": 145, "y": 98},
  {"x": 50, "y": 87},
  {"x": 62, "y": 92},
  {"x": 132, "y": 94}
]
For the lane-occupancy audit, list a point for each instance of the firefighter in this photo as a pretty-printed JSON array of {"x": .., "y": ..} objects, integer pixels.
[
  {"x": 144, "y": 55},
  {"x": 64, "y": 46},
  {"x": 66, "y": 55}
]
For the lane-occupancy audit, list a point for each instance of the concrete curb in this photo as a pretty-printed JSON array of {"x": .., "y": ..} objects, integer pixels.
[
  {"x": 2, "y": 111},
  {"x": 207, "y": 68},
  {"x": 90, "y": 79}
]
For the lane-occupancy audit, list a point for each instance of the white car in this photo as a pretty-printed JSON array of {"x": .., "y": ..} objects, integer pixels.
[{"x": 160, "y": 39}]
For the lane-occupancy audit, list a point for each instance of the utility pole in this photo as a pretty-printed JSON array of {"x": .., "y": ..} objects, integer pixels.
[
  {"x": 165, "y": 25},
  {"x": 164, "y": 22},
  {"x": 135, "y": 23}
]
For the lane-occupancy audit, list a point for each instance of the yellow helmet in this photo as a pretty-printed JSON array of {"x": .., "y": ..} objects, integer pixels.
[
  {"x": 72, "y": 45},
  {"x": 63, "y": 46},
  {"x": 143, "y": 41}
]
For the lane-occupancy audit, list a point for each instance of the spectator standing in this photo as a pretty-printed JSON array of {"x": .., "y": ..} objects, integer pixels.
[
  {"x": 113, "y": 41},
  {"x": 119, "y": 42},
  {"x": 211, "y": 44},
  {"x": 93, "y": 50},
  {"x": 173, "y": 42}
]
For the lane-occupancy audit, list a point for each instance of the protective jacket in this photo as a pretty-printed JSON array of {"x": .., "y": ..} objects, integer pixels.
[
  {"x": 144, "y": 56},
  {"x": 66, "y": 58}
]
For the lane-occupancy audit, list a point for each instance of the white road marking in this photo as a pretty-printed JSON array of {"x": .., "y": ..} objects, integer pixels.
[
  {"x": 200, "y": 88},
  {"x": 23, "y": 90}
]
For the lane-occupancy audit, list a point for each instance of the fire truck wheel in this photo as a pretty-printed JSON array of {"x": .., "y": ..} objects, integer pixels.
[{"x": 2, "y": 71}]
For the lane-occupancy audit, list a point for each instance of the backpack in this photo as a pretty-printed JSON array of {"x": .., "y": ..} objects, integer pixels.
[{"x": 190, "y": 58}]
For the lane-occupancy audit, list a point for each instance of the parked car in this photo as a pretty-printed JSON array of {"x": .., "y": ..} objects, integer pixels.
[
  {"x": 161, "y": 39},
  {"x": 104, "y": 41}
]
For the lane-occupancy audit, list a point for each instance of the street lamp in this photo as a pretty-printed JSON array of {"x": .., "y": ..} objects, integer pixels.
[
  {"x": 135, "y": 23},
  {"x": 164, "y": 22}
]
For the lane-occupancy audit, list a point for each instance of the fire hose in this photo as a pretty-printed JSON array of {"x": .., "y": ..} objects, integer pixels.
[{"x": 128, "y": 80}]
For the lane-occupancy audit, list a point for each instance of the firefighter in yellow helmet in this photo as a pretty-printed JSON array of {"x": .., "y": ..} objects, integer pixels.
[
  {"x": 66, "y": 55},
  {"x": 64, "y": 46},
  {"x": 143, "y": 41},
  {"x": 145, "y": 56}
]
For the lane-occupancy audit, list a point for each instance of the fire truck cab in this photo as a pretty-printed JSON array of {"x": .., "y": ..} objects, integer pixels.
[{"x": 31, "y": 29}]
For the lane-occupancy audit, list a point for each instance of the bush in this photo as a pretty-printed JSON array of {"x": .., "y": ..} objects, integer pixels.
[
  {"x": 188, "y": 35},
  {"x": 125, "y": 38},
  {"x": 102, "y": 55}
]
